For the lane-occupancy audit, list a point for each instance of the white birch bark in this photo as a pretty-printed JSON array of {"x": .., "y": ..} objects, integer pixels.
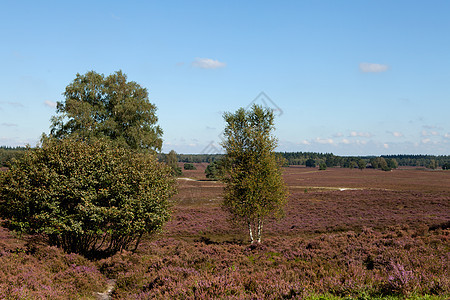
[
  {"x": 260, "y": 227},
  {"x": 250, "y": 232}
]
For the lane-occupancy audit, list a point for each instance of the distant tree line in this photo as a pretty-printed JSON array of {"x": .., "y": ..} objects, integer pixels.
[
  {"x": 428, "y": 161},
  {"x": 293, "y": 158},
  {"x": 199, "y": 158},
  {"x": 330, "y": 160}
]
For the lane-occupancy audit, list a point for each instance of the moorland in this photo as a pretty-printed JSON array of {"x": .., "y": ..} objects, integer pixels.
[{"x": 346, "y": 234}]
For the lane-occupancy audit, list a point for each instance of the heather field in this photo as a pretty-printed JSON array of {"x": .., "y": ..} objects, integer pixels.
[{"x": 347, "y": 234}]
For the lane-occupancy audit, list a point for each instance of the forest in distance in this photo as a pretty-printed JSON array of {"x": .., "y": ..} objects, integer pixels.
[
  {"x": 291, "y": 158},
  {"x": 331, "y": 160}
]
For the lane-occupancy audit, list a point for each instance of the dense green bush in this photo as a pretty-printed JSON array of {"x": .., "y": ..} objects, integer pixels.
[
  {"x": 189, "y": 166},
  {"x": 310, "y": 163},
  {"x": 214, "y": 170},
  {"x": 87, "y": 198}
]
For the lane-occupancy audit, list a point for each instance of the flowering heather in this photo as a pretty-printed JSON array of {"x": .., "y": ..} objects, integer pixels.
[
  {"x": 43, "y": 272},
  {"x": 397, "y": 262},
  {"x": 387, "y": 236}
]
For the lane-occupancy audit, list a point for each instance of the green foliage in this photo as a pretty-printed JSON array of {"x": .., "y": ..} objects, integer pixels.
[
  {"x": 299, "y": 158},
  {"x": 379, "y": 163},
  {"x": 310, "y": 163},
  {"x": 214, "y": 170},
  {"x": 189, "y": 166},
  {"x": 172, "y": 162},
  {"x": 392, "y": 163},
  {"x": 254, "y": 186},
  {"x": 446, "y": 166},
  {"x": 361, "y": 164},
  {"x": 432, "y": 164},
  {"x": 96, "y": 106},
  {"x": 86, "y": 197},
  {"x": 7, "y": 154},
  {"x": 322, "y": 166}
]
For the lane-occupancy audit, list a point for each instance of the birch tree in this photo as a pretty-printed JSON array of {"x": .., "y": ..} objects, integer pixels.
[{"x": 254, "y": 187}]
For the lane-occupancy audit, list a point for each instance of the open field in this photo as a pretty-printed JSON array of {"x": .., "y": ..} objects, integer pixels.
[{"x": 346, "y": 234}]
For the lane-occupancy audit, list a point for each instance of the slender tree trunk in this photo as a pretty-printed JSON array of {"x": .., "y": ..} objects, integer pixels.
[
  {"x": 250, "y": 232},
  {"x": 260, "y": 227}
]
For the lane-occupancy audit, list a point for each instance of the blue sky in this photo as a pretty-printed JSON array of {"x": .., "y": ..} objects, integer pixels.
[{"x": 349, "y": 77}]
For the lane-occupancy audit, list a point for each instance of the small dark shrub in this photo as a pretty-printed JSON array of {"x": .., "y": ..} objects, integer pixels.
[{"x": 188, "y": 166}]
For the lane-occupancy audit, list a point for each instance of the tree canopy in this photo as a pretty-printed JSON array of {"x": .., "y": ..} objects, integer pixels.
[
  {"x": 254, "y": 188},
  {"x": 110, "y": 107}
]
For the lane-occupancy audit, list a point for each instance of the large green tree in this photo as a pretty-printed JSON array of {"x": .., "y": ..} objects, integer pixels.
[
  {"x": 86, "y": 197},
  {"x": 254, "y": 187},
  {"x": 110, "y": 107}
]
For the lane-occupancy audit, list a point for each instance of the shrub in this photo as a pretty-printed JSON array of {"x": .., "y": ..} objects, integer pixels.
[
  {"x": 214, "y": 170},
  {"x": 310, "y": 163},
  {"x": 86, "y": 197},
  {"x": 189, "y": 167}
]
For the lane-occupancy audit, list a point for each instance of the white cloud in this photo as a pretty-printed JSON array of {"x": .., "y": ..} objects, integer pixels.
[
  {"x": 324, "y": 141},
  {"x": 396, "y": 133},
  {"x": 361, "y": 134},
  {"x": 385, "y": 146},
  {"x": 207, "y": 63},
  {"x": 425, "y": 141},
  {"x": 50, "y": 103},
  {"x": 305, "y": 142},
  {"x": 339, "y": 134},
  {"x": 447, "y": 135},
  {"x": 428, "y": 133},
  {"x": 345, "y": 141},
  {"x": 373, "y": 68}
]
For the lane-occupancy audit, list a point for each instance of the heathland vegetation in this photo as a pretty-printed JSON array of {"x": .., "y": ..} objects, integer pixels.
[
  {"x": 75, "y": 209},
  {"x": 346, "y": 234}
]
